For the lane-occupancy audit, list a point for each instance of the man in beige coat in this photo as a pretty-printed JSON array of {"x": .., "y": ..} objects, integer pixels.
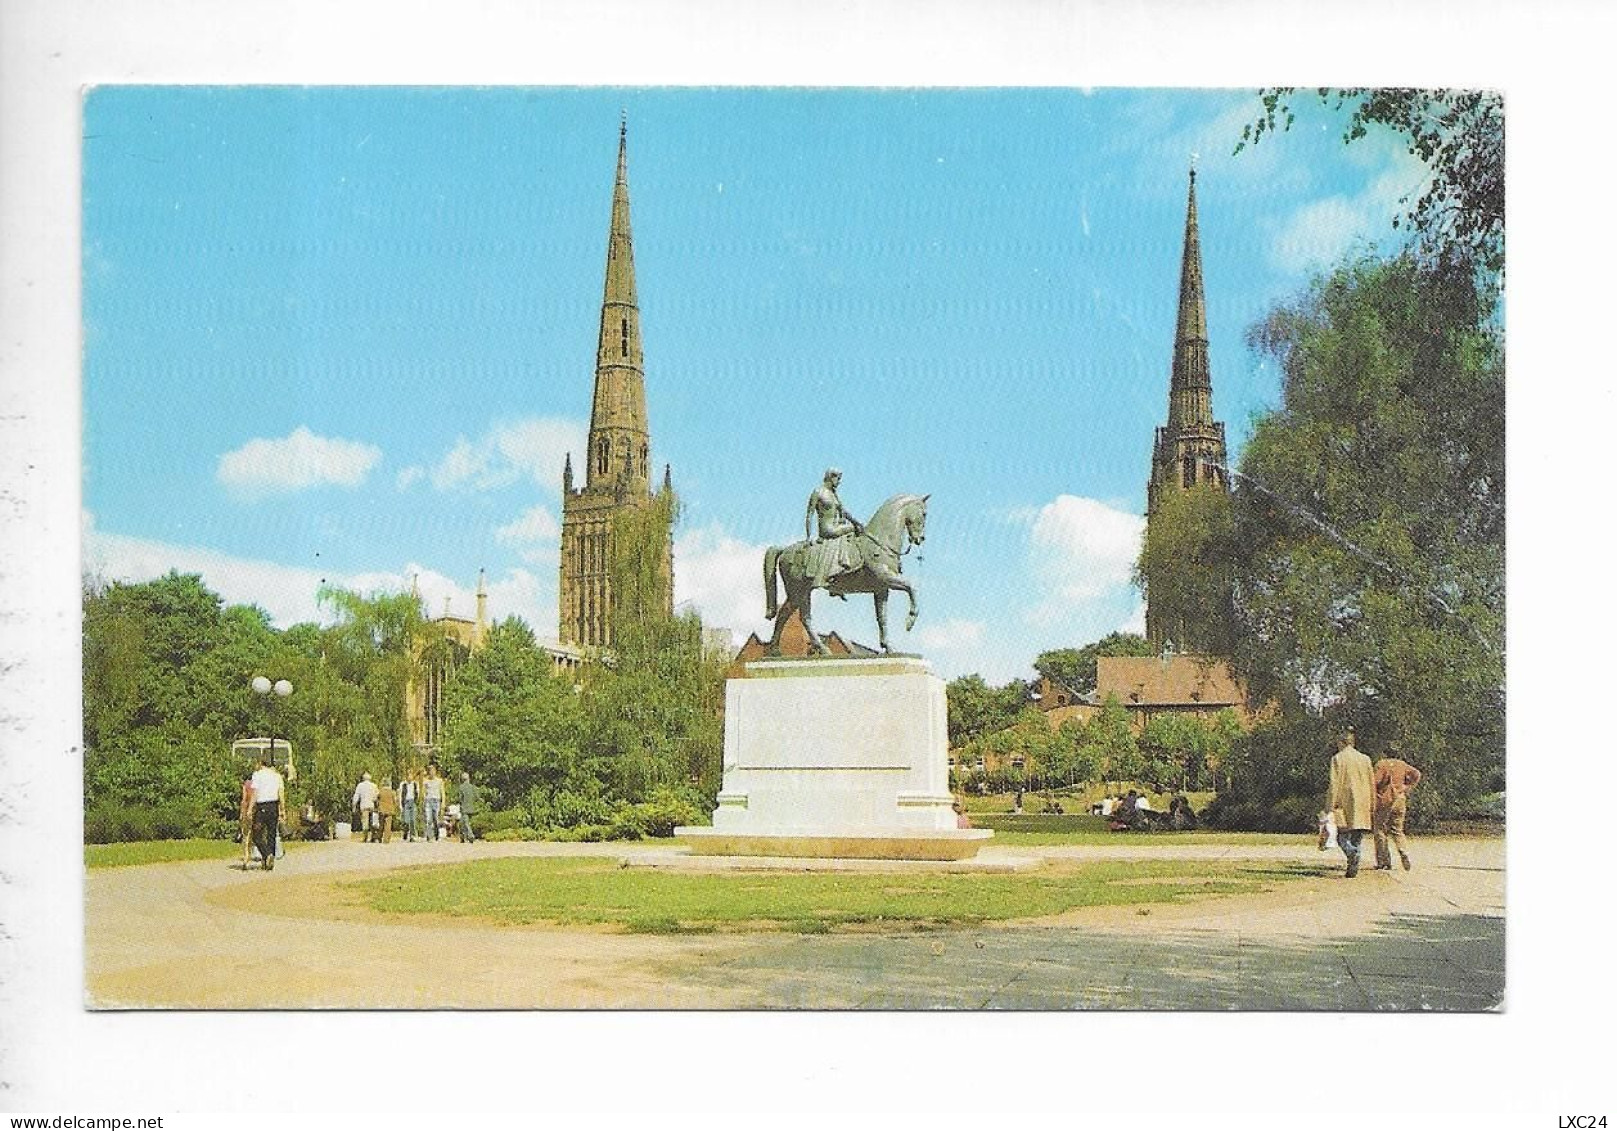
[{"x": 1351, "y": 799}]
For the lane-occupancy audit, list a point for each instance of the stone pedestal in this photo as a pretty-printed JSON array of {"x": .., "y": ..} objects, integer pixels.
[{"x": 843, "y": 757}]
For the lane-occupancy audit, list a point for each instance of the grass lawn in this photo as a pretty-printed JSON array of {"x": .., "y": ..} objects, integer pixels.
[
  {"x": 571, "y": 892},
  {"x": 157, "y": 852},
  {"x": 1081, "y": 828},
  {"x": 1011, "y": 837}
]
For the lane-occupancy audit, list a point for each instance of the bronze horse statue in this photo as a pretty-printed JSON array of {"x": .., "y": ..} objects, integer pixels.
[{"x": 870, "y": 562}]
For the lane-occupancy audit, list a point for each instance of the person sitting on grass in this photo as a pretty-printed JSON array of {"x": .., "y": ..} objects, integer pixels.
[
  {"x": 1127, "y": 813},
  {"x": 1181, "y": 817}
]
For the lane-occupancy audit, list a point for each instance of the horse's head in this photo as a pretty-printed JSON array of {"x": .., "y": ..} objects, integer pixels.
[{"x": 915, "y": 519}]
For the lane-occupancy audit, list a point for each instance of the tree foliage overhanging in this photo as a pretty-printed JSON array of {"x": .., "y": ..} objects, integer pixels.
[{"x": 1459, "y": 215}]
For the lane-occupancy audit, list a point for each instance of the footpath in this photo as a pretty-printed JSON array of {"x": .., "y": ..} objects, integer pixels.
[{"x": 205, "y": 934}]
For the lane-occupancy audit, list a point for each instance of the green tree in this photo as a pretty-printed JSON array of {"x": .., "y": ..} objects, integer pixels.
[
  {"x": 1459, "y": 135},
  {"x": 1185, "y": 569},
  {"x": 512, "y": 723},
  {"x": 1174, "y": 750},
  {"x": 166, "y": 690},
  {"x": 656, "y": 717},
  {"x": 1075, "y": 667},
  {"x": 376, "y": 649},
  {"x": 654, "y": 714},
  {"x": 1222, "y": 735},
  {"x": 1079, "y": 762},
  {"x": 1109, "y": 743},
  {"x": 977, "y": 709},
  {"x": 1370, "y": 522},
  {"x": 642, "y": 594}
]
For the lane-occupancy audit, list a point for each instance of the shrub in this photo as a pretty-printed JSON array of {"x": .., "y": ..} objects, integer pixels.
[
  {"x": 219, "y": 828},
  {"x": 502, "y": 820},
  {"x": 668, "y": 808},
  {"x": 108, "y": 822},
  {"x": 628, "y": 821},
  {"x": 571, "y": 810},
  {"x": 1293, "y": 815},
  {"x": 590, "y": 833},
  {"x": 515, "y": 833}
]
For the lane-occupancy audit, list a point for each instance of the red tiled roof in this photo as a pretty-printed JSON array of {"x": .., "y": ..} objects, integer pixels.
[{"x": 1175, "y": 681}]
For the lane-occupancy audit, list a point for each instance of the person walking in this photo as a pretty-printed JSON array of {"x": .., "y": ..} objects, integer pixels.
[
  {"x": 467, "y": 796},
  {"x": 409, "y": 797},
  {"x": 1351, "y": 799},
  {"x": 268, "y": 789},
  {"x": 387, "y": 807},
  {"x": 432, "y": 796},
  {"x": 245, "y": 816},
  {"x": 1394, "y": 778},
  {"x": 365, "y": 801}
]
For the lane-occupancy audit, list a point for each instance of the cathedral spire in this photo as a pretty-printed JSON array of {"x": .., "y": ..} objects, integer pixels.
[
  {"x": 619, "y": 443},
  {"x": 1190, "y": 397},
  {"x": 1190, "y": 447},
  {"x": 617, "y": 460}
]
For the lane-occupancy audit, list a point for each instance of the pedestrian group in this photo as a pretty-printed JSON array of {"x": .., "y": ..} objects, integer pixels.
[
  {"x": 417, "y": 804},
  {"x": 1368, "y": 798}
]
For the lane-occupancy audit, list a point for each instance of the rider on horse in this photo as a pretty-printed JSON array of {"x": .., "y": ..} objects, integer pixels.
[
  {"x": 849, "y": 556},
  {"x": 832, "y": 553}
]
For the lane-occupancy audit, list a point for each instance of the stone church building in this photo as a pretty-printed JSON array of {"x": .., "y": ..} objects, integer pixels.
[
  {"x": 1189, "y": 452},
  {"x": 1189, "y": 449},
  {"x": 617, "y": 459}
]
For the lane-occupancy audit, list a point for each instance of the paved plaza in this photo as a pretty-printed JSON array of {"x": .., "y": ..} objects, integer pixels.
[{"x": 204, "y": 934}]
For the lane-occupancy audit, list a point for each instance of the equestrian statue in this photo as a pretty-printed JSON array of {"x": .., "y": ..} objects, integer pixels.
[{"x": 847, "y": 556}]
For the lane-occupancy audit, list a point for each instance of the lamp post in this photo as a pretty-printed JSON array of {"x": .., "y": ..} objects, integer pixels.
[{"x": 280, "y": 688}]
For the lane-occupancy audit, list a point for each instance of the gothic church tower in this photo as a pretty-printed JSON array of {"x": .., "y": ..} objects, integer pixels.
[
  {"x": 1190, "y": 447},
  {"x": 617, "y": 459}
]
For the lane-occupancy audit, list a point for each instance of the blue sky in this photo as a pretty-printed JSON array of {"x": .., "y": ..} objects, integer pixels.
[{"x": 346, "y": 334}]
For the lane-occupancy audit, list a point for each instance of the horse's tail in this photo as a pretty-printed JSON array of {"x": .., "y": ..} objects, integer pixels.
[{"x": 771, "y": 600}]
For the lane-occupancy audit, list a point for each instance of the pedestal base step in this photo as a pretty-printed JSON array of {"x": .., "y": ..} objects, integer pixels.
[
  {"x": 685, "y": 861},
  {"x": 852, "y": 844}
]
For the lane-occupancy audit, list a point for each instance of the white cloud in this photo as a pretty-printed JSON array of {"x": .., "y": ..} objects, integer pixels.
[
  {"x": 1208, "y": 142},
  {"x": 1135, "y": 623},
  {"x": 535, "y": 533},
  {"x": 1081, "y": 548},
  {"x": 531, "y": 447},
  {"x": 950, "y": 636},
  {"x": 1320, "y": 232},
  {"x": 410, "y": 476},
  {"x": 536, "y": 524},
  {"x": 298, "y": 461},
  {"x": 721, "y": 577},
  {"x": 288, "y": 593},
  {"x": 1081, "y": 555}
]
